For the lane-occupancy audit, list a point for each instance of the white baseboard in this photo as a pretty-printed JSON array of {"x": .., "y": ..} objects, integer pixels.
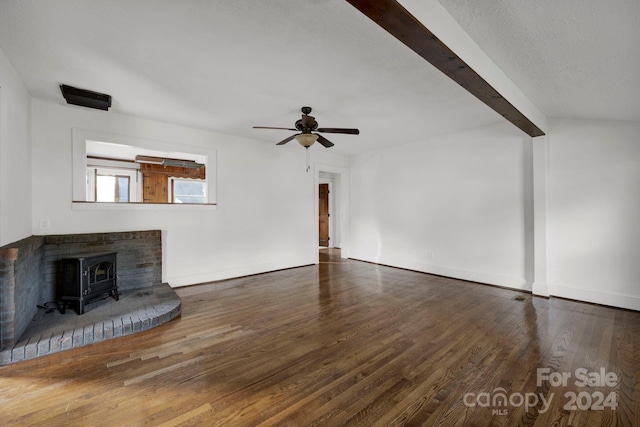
[
  {"x": 613, "y": 299},
  {"x": 232, "y": 273},
  {"x": 490, "y": 278}
]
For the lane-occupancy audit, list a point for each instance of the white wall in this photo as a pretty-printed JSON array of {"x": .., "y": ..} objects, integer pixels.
[
  {"x": 265, "y": 215},
  {"x": 462, "y": 206},
  {"x": 15, "y": 156},
  {"x": 453, "y": 206},
  {"x": 594, "y": 211}
]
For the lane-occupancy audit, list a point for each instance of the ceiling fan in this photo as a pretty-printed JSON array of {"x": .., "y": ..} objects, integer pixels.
[{"x": 307, "y": 125}]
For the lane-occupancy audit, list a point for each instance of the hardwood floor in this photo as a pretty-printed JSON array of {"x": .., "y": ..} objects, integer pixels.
[{"x": 344, "y": 343}]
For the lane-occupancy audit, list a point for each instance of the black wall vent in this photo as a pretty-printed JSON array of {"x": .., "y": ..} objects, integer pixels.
[{"x": 86, "y": 98}]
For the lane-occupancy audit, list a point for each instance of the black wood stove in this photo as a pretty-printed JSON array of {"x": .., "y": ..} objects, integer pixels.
[{"x": 87, "y": 278}]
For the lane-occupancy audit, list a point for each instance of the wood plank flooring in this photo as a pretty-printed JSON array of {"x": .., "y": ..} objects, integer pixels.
[{"x": 344, "y": 343}]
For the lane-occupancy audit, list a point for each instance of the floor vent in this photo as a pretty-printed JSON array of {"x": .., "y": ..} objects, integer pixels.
[{"x": 520, "y": 298}]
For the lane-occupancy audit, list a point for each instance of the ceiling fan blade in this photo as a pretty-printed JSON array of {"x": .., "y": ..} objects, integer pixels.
[
  {"x": 284, "y": 141},
  {"x": 270, "y": 127},
  {"x": 339, "y": 130},
  {"x": 324, "y": 141}
]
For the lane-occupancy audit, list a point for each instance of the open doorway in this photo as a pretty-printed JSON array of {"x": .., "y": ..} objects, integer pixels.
[
  {"x": 323, "y": 215},
  {"x": 331, "y": 214},
  {"x": 328, "y": 232}
]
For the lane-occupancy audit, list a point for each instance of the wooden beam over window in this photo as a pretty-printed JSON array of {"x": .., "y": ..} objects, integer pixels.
[
  {"x": 175, "y": 171},
  {"x": 394, "y": 18}
]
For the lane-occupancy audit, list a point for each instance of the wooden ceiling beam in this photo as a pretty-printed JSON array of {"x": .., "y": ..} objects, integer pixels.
[{"x": 400, "y": 23}]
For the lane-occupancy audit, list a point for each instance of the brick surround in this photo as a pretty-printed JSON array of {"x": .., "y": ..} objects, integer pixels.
[{"x": 28, "y": 270}]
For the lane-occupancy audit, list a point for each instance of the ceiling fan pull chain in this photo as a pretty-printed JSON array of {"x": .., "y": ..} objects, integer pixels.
[{"x": 308, "y": 158}]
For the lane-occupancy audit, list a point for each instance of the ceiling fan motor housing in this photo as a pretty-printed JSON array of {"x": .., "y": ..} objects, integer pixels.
[{"x": 306, "y": 124}]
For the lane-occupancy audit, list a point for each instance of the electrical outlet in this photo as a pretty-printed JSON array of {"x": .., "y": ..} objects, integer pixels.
[
  {"x": 45, "y": 224},
  {"x": 429, "y": 255}
]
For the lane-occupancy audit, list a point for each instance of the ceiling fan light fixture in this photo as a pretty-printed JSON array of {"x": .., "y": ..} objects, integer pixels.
[{"x": 306, "y": 139}]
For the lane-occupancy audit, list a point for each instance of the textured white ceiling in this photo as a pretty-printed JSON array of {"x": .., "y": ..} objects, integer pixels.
[
  {"x": 572, "y": 58},
  {"x": 228, "y": 65}
]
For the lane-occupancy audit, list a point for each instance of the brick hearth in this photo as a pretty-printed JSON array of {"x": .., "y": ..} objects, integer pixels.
[{"x": 28, "y": 279}]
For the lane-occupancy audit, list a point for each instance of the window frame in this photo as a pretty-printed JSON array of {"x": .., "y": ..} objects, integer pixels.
[
  {"x": 80, "y": 201},
  {"x": 92, "y": 182},
  {"x": 173, "y": 179}
]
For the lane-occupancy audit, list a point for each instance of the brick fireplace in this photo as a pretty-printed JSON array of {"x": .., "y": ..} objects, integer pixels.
[{"x": 28, "y": 270}]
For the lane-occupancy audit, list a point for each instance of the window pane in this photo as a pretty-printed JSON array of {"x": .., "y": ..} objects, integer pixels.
[
  {"x": 105, "y": 188},
  {"x": 186, "y": 191},
  {"x": 112, "y": 188},
  {"x": 123, "y": 189}
]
